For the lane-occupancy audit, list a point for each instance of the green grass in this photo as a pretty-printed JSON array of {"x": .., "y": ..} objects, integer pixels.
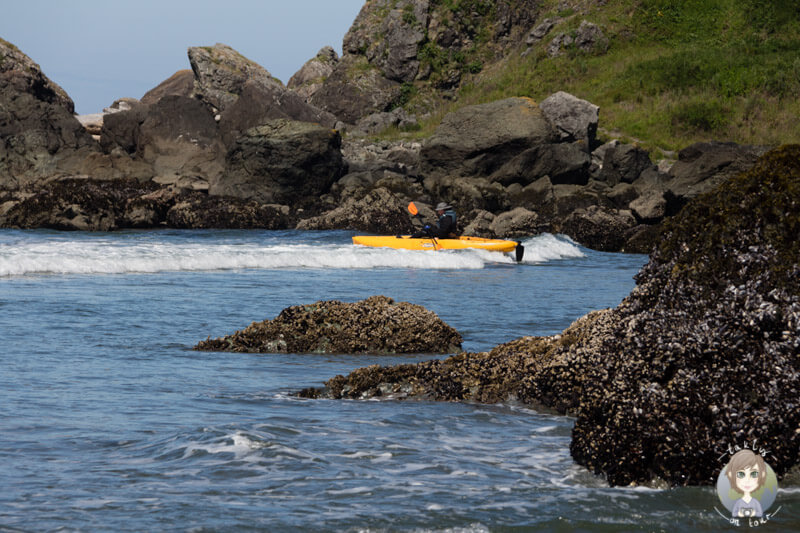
[{"x": 675, "y": 72}]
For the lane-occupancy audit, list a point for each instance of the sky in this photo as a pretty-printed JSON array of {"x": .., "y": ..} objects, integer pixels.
[{"x": 102, "y": 50}]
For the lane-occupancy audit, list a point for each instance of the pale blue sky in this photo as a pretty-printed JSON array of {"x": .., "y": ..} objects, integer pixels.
[{"x": 101, "y": 50}]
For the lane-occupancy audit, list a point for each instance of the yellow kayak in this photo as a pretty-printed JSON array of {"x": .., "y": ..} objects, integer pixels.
[{"x": 406, "y": 242}]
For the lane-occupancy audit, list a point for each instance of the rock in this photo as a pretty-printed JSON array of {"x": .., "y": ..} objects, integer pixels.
[
  {"x": 481, "y": 225},
  {"x": 377, "y": 122},
  {"x": 220, "y": 73},
  {"x": 120, "y": 131},
  {"x": 379, "y": 211},
  {"x": 573, "y": 119},
  {"x": 401, "y": 157},
  {"x": 541, "y": 30},
  {"x": 389, "y": 33},
  {"x": 650, "y": 208},
  {"x": 376, "y": 325},
  {"x": 179, "y": 84},
  {"x": 200, "y": 211},
  {"x": 516, "y": 223},
  {"x": 86, "y": 204},
  {"x": 92, "y": 123},
  {"x": 587, "y": 38},
  {"x": 479, "y": 139},
  {"x": 39, "y": 135},
  {"x": 469, "y": 194},
  {"x": 281, "y": 161},
  {"x": 656, "y": 384},
  {"x": 355, "y": 89},
  {"x": 223, "y": 77},
  {"x": 256, "y": 105},
  {"x": 624, "y": 163},
  {"x": 74, "y": 204},
  {"x": 599, "y": 228},
  {"x": 704, "y": 166},
  {"x": 179, "y": 138},
  {"x": 562, "y": 163},
  {"x": 309, "y": 79}
]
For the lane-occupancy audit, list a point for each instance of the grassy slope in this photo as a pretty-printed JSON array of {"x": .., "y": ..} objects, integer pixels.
[{"x": 675, "y": 72}]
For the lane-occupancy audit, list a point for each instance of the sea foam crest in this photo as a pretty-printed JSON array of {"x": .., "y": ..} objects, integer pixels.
[{"x": 84, "y": 255}]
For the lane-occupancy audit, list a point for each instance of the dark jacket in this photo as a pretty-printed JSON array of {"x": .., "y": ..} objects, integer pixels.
[
  {"x": 447, "y": 225},
  {"x": 445, "y": 228}
]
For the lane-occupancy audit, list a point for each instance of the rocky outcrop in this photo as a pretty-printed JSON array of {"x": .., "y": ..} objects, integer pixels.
[
  {"x": 589, "y": 37},
  {"x": 378, "y": 211},
  {"x": 355, "y": 89},
  {"x": 573, "y": 119},
  {"x": 478, "y": 140},
  {"x": 39, "y": 135},
  {"x": 377, "y": 325},
  {"x": 220, "y": 73},
  {"x": 700, "y": 356},
  {"x": 393, "y": 44},
  {"x": 309, "y": 79},
  {"x": 79, "y": 203}
]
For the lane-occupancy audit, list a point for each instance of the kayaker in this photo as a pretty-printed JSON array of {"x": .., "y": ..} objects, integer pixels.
[{"x": 445, "y": 228}]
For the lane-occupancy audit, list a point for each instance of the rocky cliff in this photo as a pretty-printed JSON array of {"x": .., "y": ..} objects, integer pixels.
[{"x": 393, "y": 43}]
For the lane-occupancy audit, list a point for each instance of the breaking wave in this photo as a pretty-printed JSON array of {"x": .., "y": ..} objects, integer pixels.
[{"x": 23, "y": 254}]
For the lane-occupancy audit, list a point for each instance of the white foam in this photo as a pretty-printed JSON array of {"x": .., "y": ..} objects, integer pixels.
[{"x": 108, "y": 255}]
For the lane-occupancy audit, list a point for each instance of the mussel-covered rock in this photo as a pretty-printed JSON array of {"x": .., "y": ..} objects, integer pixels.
[
  {"x": 375, "y": 325},
  {"x": 700, "y": 357}
]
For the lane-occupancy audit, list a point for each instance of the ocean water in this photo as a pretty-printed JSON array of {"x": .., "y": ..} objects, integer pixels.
[{"x": 110, "y": 422}]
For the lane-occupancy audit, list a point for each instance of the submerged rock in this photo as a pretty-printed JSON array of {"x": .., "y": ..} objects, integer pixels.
[{"x": 375, "y": 325}]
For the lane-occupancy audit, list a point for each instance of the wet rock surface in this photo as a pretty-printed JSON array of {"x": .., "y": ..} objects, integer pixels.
[
  {"x": 376, "y": 325},
  {"x": 700, "y": 356}
]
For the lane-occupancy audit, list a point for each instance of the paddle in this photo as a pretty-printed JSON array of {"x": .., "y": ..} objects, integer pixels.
[{"x": 414, "y": 211}]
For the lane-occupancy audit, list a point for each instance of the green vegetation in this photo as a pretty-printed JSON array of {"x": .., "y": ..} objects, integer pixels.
[{"x": 675, "y": 71}]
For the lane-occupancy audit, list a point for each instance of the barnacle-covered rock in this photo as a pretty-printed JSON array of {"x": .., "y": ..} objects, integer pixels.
[
  {"x": 702, "y": 355},
  {"x": 375, "y": 325}
]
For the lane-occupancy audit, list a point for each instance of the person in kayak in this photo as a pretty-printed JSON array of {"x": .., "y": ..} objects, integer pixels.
[{"x": 445, "y": 228}]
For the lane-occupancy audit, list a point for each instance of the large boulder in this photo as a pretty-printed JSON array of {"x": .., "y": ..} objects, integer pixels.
[
  {"x": 282, "y": 161},
  {"x": 563, "y": 163},
  {"x": 220, "y": 73},
  {"x": 599, "y": 228},
  {"x": 479, "y": 139},
  {"x": 222, "y": 76},
  {"x": 573, "y": 119},
  {"x": 376, "y": 325},
  {"x": 623, "y": 163},
  {"x": 39, "y": 135},
  {"x": 179, "y": 138},
  {"x": 703, "y": 166}
]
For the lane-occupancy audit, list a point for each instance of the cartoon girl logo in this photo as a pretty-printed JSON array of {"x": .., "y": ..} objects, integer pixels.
[{"x": 747, "y": 486}]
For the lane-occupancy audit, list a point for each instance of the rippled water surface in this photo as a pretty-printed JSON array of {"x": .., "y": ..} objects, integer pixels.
[{"x": 110, "y": 421}]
